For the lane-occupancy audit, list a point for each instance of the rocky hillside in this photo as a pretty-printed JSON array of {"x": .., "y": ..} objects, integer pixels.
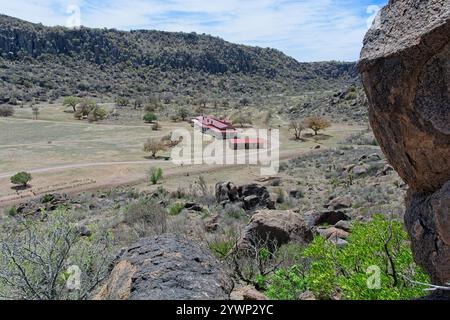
[{"x": 49, "y": 62}]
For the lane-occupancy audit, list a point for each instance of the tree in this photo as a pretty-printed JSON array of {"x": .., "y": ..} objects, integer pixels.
[
  {"x": 297, "y": 127},
  {"x": 21, "y": 178},
  {"x": 167, "y": 97},
  {"x": 6, "y": 111},
  {"x": 122, "y": 102},
  {"x": 244, "y": 102},
  {"x": 154, "y": 146},
  {"x": 35, "y": 111},
  {"x": 242, "y": 119},
  {"x": 150, "y": 117},
  {"x": 71, "y": 102},
  {"x": 182, "y": 114},
  {"x": 317, "y": 124},
  {"x": 97, "y": 113}
]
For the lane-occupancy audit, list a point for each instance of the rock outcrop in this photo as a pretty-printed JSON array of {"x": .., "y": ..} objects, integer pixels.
[
  {"x": 166, "y": 267},
  {"x": 252, "y": 196},
  {"x": 405, "y": 66}
]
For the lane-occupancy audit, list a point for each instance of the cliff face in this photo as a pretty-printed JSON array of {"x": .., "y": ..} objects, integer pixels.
[
  {"x": 49, "y": 62},
  {"x": 405, "y": 65}
]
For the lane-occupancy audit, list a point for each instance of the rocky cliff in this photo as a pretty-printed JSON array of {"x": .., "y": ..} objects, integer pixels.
[{"x": 405, "y": 65}]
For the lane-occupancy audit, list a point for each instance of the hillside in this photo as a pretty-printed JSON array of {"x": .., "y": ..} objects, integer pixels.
[{"x": 49, "y": 62}]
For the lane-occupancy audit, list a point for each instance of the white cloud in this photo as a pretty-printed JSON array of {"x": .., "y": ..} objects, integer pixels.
[{"x": 308, "y": 30}]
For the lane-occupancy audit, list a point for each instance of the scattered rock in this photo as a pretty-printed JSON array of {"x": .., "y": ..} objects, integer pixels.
[
  {"x": 84, "y": 231},
  {"x": 329, "y": 217},
  {"x": 251, "y": 294},
  {"x": 343, "y": 225},
  {"x": 296, "y": 193},
  {"x": 166, "y": 267},
  {"x": 340, "y": 243},
  {"x": 226, "y": 191},
  {"x": 193, "y": 206},
  {"x": 333, "y": 232},
  {"x": 360, "y": 170},
  {"x": 307, "y": 295},
  {"x": 339, "y": 203},
  {"x": 276, "y": 227}
]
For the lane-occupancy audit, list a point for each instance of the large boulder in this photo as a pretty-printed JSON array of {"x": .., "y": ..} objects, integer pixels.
[
  {"x": 166, "y": 267},
  {"x": 405, "y": 66},
  {"x": 275, "y": 228}
]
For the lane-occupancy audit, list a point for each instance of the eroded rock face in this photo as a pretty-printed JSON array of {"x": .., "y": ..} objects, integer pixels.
[
  {"x": 166, "y": 267},
  {"x": 405, "y": 65}
]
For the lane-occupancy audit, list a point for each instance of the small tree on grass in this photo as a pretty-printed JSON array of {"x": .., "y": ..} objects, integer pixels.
[
  {"x": 150, "y": 117},
  {"x": 21, "y": 179},
  {"x": 155, "y": 175},
  {"x": 317, "y": 124},
  {"x": 6, "y": 111},
  {"x": 297, "y": 127},
  {"x": 71, "y": 102},
  {"x": 154, "y": 146},
  {"x": 122, "y": 102},
  {"x": 183, "y": 114},
  {"x": 242, "y": 119}
]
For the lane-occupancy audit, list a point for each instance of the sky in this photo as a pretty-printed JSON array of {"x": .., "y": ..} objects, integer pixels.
[{"x": 308, "y": 30}]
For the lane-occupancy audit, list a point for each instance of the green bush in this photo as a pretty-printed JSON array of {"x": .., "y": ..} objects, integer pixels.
[
  {"x": 176, "y": 209},
  {"x": 155, "y": 175},
  {"x": 286, "y": 284},
  {"x": 381, "y": 244},
  {"x": 22, "y": 179},
  {"x": 150, "y": 117}
]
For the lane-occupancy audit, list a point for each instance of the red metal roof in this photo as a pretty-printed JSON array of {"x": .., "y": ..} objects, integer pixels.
[{"x": 247, "y": 140}]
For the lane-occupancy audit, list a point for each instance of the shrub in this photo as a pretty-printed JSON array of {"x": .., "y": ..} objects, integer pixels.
[
  {"x": 22, "y": 179},
  {"x": 150, "y": 117},
  {"x": 6, "y": 111},
  {"x": 146, "y": 217},
  {"x": 176, "y": 209},
  {"x": 377, "y": 244},
  {"x": 286, "y": 284},
  {"x": 155, "y": 175},
  {"x": 122, "y": 102},
  {"x": 156, "y": 126},
  {"x": 43, "y": 272},
  {"x": 12, "y": 211},
  {"x": 222, "y": 245}
]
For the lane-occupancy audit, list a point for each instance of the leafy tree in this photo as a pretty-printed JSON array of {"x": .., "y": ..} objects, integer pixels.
[
  {"x": 155, "y": 175},
  {"x": 297, "y": 127},
  {"x": 72, "y": 102},
  {"x": 317, "y": 124},
  {"x": 6, "y": 111},
  {"x": 22, "y": 179},
  {"x": 242, "y": 119},
  {"x": 244, "y": 102},
  {"x": 182, "y": 114},
  {"x": 150, "y": 117},
  {"x": 378, "y": 245}
]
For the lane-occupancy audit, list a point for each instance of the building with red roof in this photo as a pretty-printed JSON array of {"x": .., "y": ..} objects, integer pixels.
[{"x": 221, "y": 129}]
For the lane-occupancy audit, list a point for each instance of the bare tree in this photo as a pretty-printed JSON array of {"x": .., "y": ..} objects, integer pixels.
[{"x": 297, "y": 127}]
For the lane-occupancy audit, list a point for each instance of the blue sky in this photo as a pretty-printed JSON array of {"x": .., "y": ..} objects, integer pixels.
[{"x": 308, "y": 30}]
